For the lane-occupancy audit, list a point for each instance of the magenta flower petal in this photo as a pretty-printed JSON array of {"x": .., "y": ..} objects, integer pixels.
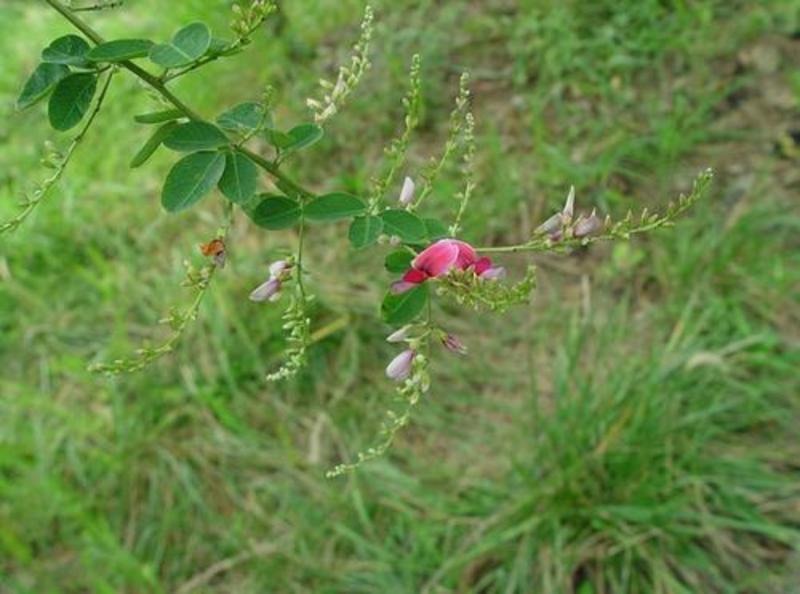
[
  {"x": 415, "y": 276},
  {"x": 482, "y": 265},
  {"x": 438, "y": 258},
  {"x": 466, "y": 254},
  {"x": 400, "y": 367}
]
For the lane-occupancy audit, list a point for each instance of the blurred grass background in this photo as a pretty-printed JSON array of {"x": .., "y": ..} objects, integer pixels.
[{"x": 633, "y": 430}]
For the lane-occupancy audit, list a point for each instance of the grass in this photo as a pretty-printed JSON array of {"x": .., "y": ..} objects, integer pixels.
[{"x": 632, "y": 430}]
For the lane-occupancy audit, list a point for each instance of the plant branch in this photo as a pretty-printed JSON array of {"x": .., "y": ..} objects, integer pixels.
[
  {"x": 201, "y": 281},
  {"x": 45, "y": 187},
  {"x": 158, "y": 85}
]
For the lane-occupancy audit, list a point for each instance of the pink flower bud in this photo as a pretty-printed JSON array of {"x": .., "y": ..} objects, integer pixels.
[
  {"x": 586, "y": 226},
  {"x": 398, "y": 335},
  {"x": 554, "y": 225},
  {"x": 268, "y": 291},
  {"x": 276, "y": 269},
  {"x": 453, "y": 344},
  {"x": 407, "y": 193},
  {"x": 550, "y": 226},
  {"x": 400, "y": 367},
  {"x": 494, "y": 273}
]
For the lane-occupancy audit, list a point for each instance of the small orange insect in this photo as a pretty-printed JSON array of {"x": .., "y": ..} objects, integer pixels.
[{"x": 214, "y": 249}]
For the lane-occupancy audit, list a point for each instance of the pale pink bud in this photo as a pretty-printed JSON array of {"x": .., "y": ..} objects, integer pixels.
[
  {"x": 586, "y": 226},
  {"x": 268, "y": 291},
  {"x": 407, "y": 193},
  {"x": 554, "y": 225},
  {"x": 453, "y": 344},
  {"x": 400, "y": 367},
  {"x": 551, "y": 225},
  {"x": 494, "y": 273},
  {"x": 277, "y": 268},
  {"x": 398, "y": 335}
]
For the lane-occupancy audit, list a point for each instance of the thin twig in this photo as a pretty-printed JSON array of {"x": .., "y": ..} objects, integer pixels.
[{"x": 41, "y": 193}]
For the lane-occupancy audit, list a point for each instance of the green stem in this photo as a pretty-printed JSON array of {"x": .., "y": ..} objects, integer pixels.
[
  {"x": 147, "y": 355},
  {"x": 301, "y": 241},
  {"x": 549, "y": 245},
  {"x": 47, "y": 184},
  {"x": 158, "y": 85}
]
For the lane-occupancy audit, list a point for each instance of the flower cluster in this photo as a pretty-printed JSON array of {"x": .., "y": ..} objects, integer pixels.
[{"x": 442, "y": 257}]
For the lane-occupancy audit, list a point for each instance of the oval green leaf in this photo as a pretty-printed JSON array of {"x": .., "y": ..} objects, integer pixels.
[
  {"x": 278, "y": 139},
  {"x": 196, "y": 136},
  {"x": 404, "y": 225},
  {"x": 276, "y": 212},
  {"x": 304, "y": 136},
  {"x": 365, "y": 231},
  {"x": 41, "y": 82},
  {"x": 402, "y": 309},
  {"x": 69, "y": 50},
  {"x": 187, "y": 45},
  {"x": 332, "y": 207},
  {"x": 151, "y": 146},
  {"x": 190, "y": 179},
  {"x": 435, "y": 229},
  {"x": 240, "y": 179},
  {"x": 120, "y": 50},
  {"x": 244, "y": 117},
  {"x": 159, "y": 117},
  {"x": 398, "y": 262},
  {"x": 71, "y": 100}
]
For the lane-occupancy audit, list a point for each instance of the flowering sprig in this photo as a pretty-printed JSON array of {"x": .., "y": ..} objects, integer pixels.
[
  {"x": 561, "y": 232},
  {"x": 459, "y": 117},
  {"x": 58, "y": 163},
  {"x": 197, "y": 279},
  {"x": 411, "y": 369},
  {"x": 348, "y": 78},
  {"x": 398, "y": 148},
  {"x": 297, "y": 326},
  {"x": 429, "y": 258}
]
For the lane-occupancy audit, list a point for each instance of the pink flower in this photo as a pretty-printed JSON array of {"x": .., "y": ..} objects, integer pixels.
[
  {"x": 400, "y": 367},
  {"x": 268, "y": 291},
  {"x": 440, "y": 258}
]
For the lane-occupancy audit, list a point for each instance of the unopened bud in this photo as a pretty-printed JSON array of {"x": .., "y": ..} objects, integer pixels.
[
  {"x": 407, "y": 193},
  {"x": 400, "y": 367},
  {"x": 586, "y": 226},
  {"x": 399, "y": 335},
  {"x": 453, "y": 344}
]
